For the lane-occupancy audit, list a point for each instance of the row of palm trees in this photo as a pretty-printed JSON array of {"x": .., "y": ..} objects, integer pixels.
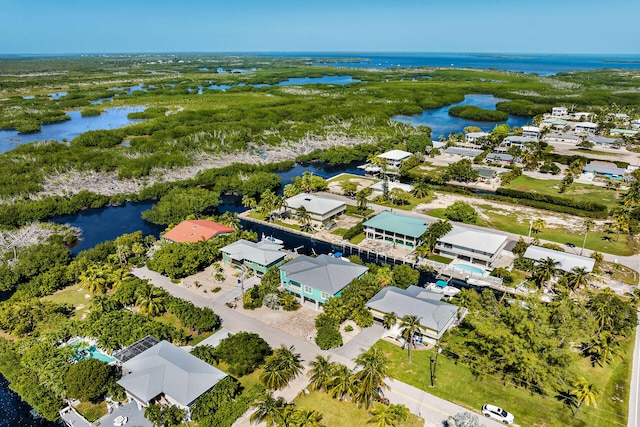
[
  {"x": 546, "y": 269},
  {"x": 271, "y": 202}
]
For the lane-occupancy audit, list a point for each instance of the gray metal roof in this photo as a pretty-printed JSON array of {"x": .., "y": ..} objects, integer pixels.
[
  {"x": 500, "y": 156},
  {"x": 466, "y": 152},
  {"x": 597, "y": 139},
  {"x": 567, "y": 261},
  {"x": 604, "y": 169},
  {"x": 435, "y": 315},
  {"x": 474, "y": 239},
  {"x": 263, "y": 252},
  {"x": 515, "y": 139},
  {"x": 314, "y": 204},
  {"x": 166, "y": 369},
  {"x": 325, "y": 273}
]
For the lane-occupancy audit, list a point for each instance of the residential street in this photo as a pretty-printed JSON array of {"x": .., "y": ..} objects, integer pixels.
[{"x": 434, "y": 410}]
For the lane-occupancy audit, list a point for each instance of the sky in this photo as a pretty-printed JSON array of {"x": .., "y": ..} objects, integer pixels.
[{"x": 492, "y": 26}]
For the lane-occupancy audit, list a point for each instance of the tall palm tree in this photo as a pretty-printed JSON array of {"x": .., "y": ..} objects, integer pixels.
[
  {"x": 320, "y": 372},
  {"x": 150, "y": 300},
  {"x": 280, "y": 368},
  {"x": 388, "y": 416},
  {"x": 588, "y": 224},
  {"x": 389, "y": 320},
  {"x": 585, "y": 392},
  {"x": 410, "y": 326},
  {"x": 436, "y": 231},
  {"x": 230, "y": 219},
  {"x": 370, "y": 378},
  {"x": 95, "y": 278},
  {"x": 603, "y": 349},
  {"x": 538, "y": 225},
  {"x": 249, "y": 202},
  {"x": 341, "y": 382},
  {"x": 545, "y": 270},
  {"x": 362, "y": 198},
  {"x": 422, "y": 251},
  {"x": 577, "y": 277},
  {"x": 421, "y": 189},
  {"x": 384, "y": 276},
  {"x": 304, "y": 218},
  {"x": 269, "y": 410},
  {"x": 305, "y": 418}
]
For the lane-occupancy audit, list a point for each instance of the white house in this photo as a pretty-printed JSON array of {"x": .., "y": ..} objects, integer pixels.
[
  {"x": 515, "y": 141},
  {"x": 321, "y": 209},
  {"x": 559, "y": 112},
  {"x": 473, "y": 245},
  {"x": 582, "y": 115},
  {"x": 395, "y": 158},
  {"x": 567, "y": 138},
  {"x": 476, "y": 137},
  {"x": 531, "y": 132},
  {"x": 586, "y": 127},
  {"x": 566, "y": 261},
  {"x": 603, "y": 141}
]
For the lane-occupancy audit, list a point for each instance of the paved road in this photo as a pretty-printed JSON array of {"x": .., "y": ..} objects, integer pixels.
[
  {"x": 634, "y": 392},
  {"x": 434, "y": 410}
]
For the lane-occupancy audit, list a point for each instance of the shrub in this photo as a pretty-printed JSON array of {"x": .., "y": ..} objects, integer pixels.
[
  {"x": 327, "y": 332},
  {"x": 289, "y": 302},
  {"x": 271, "y": 301},
  {"x": 348, "y": 328},
  {"x": 87, "y": 380},
  {"x": 461, "y": 212},
  {"x": 244, "y": 352}
]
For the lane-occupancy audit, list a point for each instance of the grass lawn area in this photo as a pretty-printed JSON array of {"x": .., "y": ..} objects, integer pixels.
[
  {"x": 339, "y": 231},
  {"x": 620, "y": 272},
  {"x": 74, "y": 295},
  {"x": 440, "y": 258},
  {"x": 349, "y": 177},
  {"x": 582, "y": 192},
  {"x": 91, "y": 411},
  {"x": 590, "y": 151},
  {"x": 357, "y": 238},
  {"x": 413, "y": 202},
  {"x": 170, "y": 319},
  {"x": 353, "y": 211},
  {"x": 337, "y": 413},
  {"x": 456, "y": 382},
  {"x": 257, "y": 215}
]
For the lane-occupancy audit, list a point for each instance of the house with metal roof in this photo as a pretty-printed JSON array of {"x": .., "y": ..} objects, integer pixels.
[
  {"x": 559, "y": 111},
  {"x": 485, "y": 174},
  {"x": 515, "y": 141},
  {"x": 436, "y": 316},
  {"x": 167, "y": 373},
  {"x": 321, "y": 209},
  {"x": 471, "y": 244},
  {"x": 586, "y": 127},
  {"x": 503, "y": 158},
  {"x": 318, "y": 279},
  {"x": 394, "y": 229},
  {"x": 259, "y": 256},
  {"x": 603, "y": 141},
  {"x": 531, "y": 132},
  {"x": 196, "y": 230},
  {"x": 606, "y": 171},
  {"x": 476, "y": 137},
  {"x": 469, "y": 153},
  {"x": 395, "y": 158},
  {"x": 554, "y": 123},
  {"x": 624, "y": 132},
  {"x": 566, "y": 261},
  {"x": 569, "y": 138}
]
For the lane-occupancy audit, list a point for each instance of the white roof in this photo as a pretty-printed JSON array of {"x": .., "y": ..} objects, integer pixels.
[
  {"x": 586, "y": 125},
  {"x": 477, "y": 134},
  {"x": 263, "y": 252},
  {"x": 395, "y": 155},
  {"x": 166, "y": 369},
  {"x": 567, "y": 261},
  {"x": 474, "y": 239},
  {"x": 530, "y": 129},
  {"x": 392, "y": 184},
  {"x": 314, "y": 204}
]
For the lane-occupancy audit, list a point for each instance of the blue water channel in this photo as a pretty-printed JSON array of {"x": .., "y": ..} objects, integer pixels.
[
  {"x": 111, "y": 118},
  {"x": 441, "y": 123}
]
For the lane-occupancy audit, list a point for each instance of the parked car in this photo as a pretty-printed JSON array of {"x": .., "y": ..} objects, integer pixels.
[
  {"x": 492, "y": 411},
  {"x": 329, "y": 225}
]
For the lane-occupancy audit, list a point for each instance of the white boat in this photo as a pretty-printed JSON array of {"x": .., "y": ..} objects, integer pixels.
[
  {"x": 442, "y": 287},
  {"x": 272, "y": 239}
]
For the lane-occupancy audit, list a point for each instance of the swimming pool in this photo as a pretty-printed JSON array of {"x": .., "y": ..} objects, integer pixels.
[
  {"x": 469, "y": 268},
  {"x": 87, "y": 351}
]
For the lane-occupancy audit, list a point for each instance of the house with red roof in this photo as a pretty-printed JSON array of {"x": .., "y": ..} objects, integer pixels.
[{"x": 196, "y": 230}]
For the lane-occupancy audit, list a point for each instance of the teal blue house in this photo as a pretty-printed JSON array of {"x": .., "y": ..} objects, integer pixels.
[
  {"x": 259, "y": 256},
  {"x": 318, "y": 279},
  {"x": 395, "y": 229}
]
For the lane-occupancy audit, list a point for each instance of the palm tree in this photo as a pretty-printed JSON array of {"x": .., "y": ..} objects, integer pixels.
[
  {"x": 421, "y": 189},
  {"x": 320, "y": 372},
  {"x": 604, "y": 348},
  {"x": 388, "y": 416},
  {"x": 280, "y": 368},
  {"x": 538, "y": 225},
  {"x": 545, "y": 270},
  {"x": 230, "y": 219},
  {"x": 305, "y": 418},
  {"x": 577, "y": 277},
  {"x": 269, "y": 410},
  {"x": 341, "y": 382},
  {"x": 410, "y": 326},
  {"x": 150, "y": 300},
  {"x": 361, "y": 198},
  {"x": 389, "y": 320},
  {"x": 384, "y": 276},
  {"x": 585, "y": 392},
  {"x": 370, "y": 378},
  {"x": 249, "y": 202},
  {"x": 620, "y": 223},
  {"x": 280, "y": 205},
  {"x": 436, "y": 231},
  {"x": 422, "y": 251},
  {"x": 304, "y": 218},
  {"x": 94, "y": 278},
  {"x": 588, "y": 223}
]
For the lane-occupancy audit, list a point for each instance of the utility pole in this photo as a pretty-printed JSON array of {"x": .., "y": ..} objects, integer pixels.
[{"x": 434, "y": 365}]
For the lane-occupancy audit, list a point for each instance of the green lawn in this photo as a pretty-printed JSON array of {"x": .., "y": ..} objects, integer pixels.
[
  {"x": 590, "y": 151},
  {"x": 74, "y": 295},
  {"x": 170, "y": 319},
  {"x": 349, "y": 177},
  {"x": 456, "y": 382},
  {"x": 337, "y": 413},
  {"x": 91, "y": 411},
  {"x": 440, "y": 258},
  {"x": 357, "y": 238},
  {"x": 583, "y": 192},
  {"x": 353, "y": 211},
  {"x": 339, "y": 231}
]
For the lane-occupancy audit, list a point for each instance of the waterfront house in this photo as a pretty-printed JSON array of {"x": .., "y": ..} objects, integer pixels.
[
  {"x": 555, "y": 124},
  {"x": 436, "y": 316},
  {"x": 566, "y": 138},
  {"x": 603, "y": 141},
  {"x": 259, "y": 257},
  {"x": 472, "y": 245},
  {"x": 320, "y": 209},
  {"x": 395, "y": 229},
  {"x": 531, "y": 132},
  {"x": 394, "y": 158},
  {"x": 476, "y": 137},
  {"x": 318, "y": 279},
  {"x": 465, "y": 153},
  {"x": 559, "y": 112},
  {"x": 566, "y": 261},
  {"x": 166, "y": 373},
  {"x": 502, "y": 158},
  {"x": 196, "y": 230},
  {"x": 516, "y": 141},
  {"x": 586, "y": 127}
]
